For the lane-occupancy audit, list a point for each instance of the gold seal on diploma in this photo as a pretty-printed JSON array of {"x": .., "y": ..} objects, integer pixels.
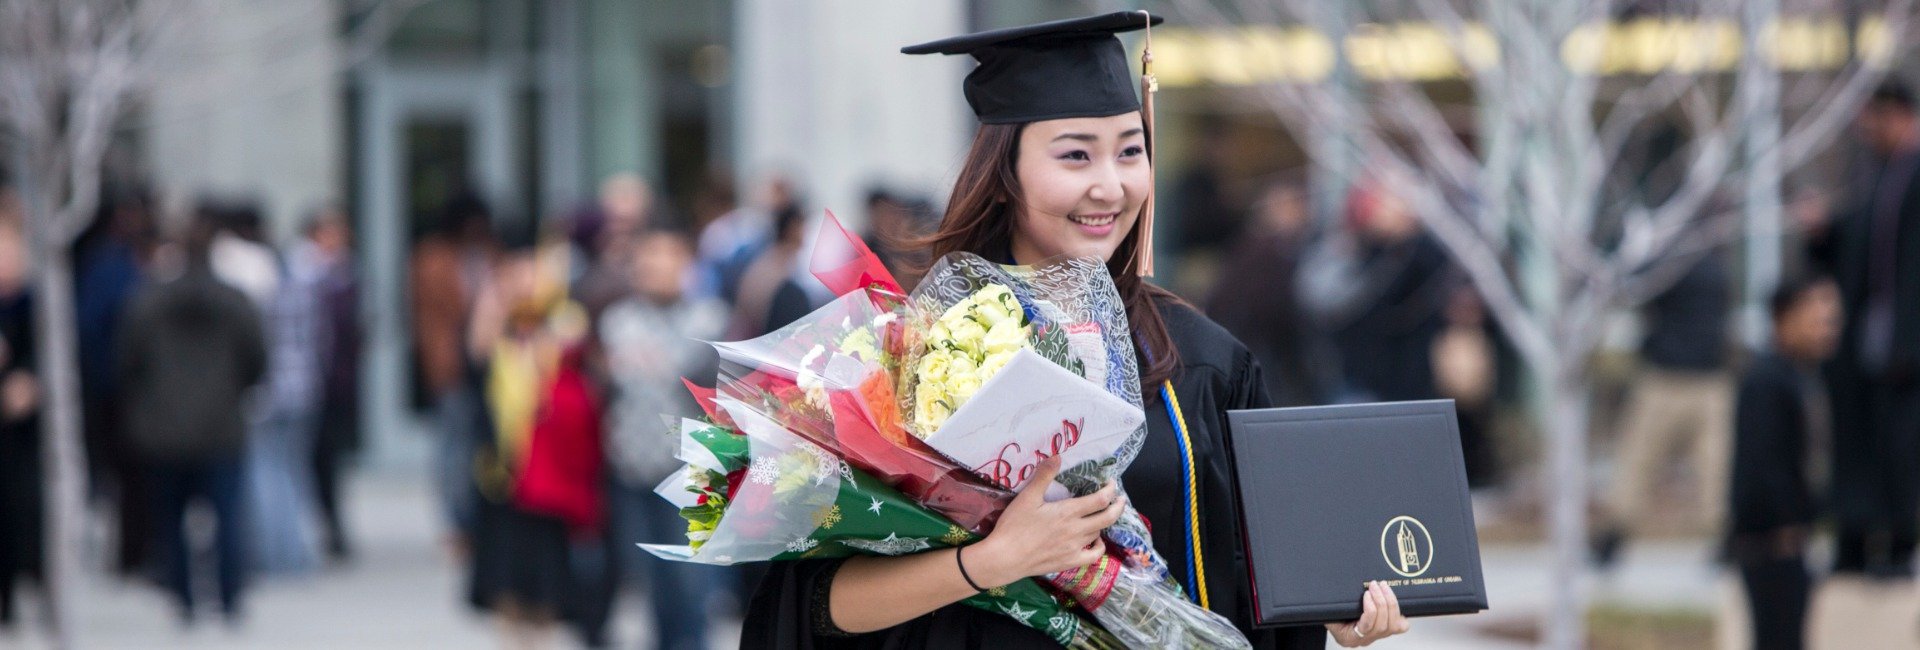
[{"x": 1406, "y": 546}]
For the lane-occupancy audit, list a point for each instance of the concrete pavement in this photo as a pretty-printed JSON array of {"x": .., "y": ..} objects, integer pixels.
[{"x": 403, "y": 591}]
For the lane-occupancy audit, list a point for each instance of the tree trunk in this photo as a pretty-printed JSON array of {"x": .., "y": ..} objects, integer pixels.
[
  {"x": 61, "y": 453},
  {"x": 1563, "y": 413}
]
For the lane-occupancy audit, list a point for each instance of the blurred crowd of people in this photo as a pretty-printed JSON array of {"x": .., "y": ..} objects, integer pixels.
[
  {"x": 215, "y": 369},
  {"x": 553, "y": 357},
  {"x": 1364, "y": 308},
  {"x": 221, "y": 372},
  {"x": 1816, "y": 428}
]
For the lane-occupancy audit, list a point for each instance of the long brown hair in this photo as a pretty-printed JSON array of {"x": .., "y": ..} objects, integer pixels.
[{"x": 980, "y": 219}]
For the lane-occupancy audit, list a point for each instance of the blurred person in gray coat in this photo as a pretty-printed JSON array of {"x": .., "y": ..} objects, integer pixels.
[
  {"x": 651, "y": 339},
  {"x": 321, "y": 266}
]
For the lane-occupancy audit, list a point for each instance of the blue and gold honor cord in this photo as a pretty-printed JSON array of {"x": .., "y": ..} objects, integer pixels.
[{"x": 1196, "y": 559}]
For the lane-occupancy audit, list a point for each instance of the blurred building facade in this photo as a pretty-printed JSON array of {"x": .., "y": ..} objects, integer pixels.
[
  {"x": 392, "y": 110},
  {"x": 531, "y": 103}
]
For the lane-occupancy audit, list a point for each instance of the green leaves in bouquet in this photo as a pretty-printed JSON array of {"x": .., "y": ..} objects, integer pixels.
[
  {"x": 703, "y": 517},
  {"x": 731, "y": 450}
]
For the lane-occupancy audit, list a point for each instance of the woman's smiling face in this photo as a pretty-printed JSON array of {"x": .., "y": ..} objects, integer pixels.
[{"x": 1082, "y": 183}]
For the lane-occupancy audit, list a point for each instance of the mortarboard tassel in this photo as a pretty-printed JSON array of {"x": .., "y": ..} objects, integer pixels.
[{"x": 1148, "y": 85}]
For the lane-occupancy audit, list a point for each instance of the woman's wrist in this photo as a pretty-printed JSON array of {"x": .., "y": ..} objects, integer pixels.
[{"x": 987, "y": 564}]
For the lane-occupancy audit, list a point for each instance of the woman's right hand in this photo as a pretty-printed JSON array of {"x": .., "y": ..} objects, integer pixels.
[{"x": 1035, "y": 537}]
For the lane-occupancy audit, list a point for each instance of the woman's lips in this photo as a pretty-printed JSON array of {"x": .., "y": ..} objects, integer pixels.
[{"x": 1097, "y": 224}]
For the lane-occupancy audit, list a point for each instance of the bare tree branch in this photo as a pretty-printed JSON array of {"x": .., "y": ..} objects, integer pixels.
[
  {"x": 1543, "y": 175},
  {"x": 1801, "y": 141}
]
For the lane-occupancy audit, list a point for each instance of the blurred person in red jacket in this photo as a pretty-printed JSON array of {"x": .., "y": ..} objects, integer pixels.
[{"x": 538, "y": 467}]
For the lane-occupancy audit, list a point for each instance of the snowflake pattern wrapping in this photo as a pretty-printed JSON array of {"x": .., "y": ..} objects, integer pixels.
[
  {"x": 892, "y": 545},
  {"x": 764, "y": 471},
  {"x": 802, "y": 545},
  {"x": 827, "y": 517}
]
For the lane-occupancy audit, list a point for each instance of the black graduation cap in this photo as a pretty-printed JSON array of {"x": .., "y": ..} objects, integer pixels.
[{"x": 1047, "y": 71}]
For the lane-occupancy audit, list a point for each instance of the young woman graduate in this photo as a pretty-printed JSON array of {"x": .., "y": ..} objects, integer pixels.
[{"x": 1061, "y": 166}]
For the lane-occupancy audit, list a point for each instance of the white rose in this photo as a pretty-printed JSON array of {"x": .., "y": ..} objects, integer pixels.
[
  {"x": 963, "y": 387},
  {"x": 960, "y": 365},
  {"x": 994, "y": 362},
  {"x": 1005, "y": 337},
  {"x": 930, "y": 409},
  {"x": 933, "y": 368},
  {"x": 968, "y": 334}
]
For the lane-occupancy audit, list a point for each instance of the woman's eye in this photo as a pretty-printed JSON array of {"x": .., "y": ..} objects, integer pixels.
[
  {"x": 1132, "y": 151},
  {"x": 1076, "y": 156}
]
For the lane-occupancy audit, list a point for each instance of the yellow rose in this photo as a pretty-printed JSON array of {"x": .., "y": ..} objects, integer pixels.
[
  {"x": 954, "y": 314},
  {"x": 968, "y": 344},
  {"x": 861, "y": 343}
]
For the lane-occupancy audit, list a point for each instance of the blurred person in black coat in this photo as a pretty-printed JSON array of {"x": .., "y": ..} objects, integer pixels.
[
  {"x": 191, "y": 350},
  {"x": 895, "y": 225},
  {"x": 1271, "y": 320},
  {"x": 1872, "y": 249},
  {"x": 1782, "y": 436},
  {"x": 774, "y": 291},
  {"x": 21, "y": 494},
  {"x": 1380, "y": 289},
  {"x": 108, "y": 268}
]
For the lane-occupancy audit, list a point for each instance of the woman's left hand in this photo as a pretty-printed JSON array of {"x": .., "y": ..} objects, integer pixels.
[{"x": 1380, "y": 618}]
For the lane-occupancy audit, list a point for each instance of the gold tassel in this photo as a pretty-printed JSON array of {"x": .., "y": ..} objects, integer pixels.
[{"x": 1148, "y": 86}]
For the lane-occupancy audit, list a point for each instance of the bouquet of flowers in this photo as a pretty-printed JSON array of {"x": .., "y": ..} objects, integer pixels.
[
  {"x": 933, "y": 409},
  {"x": 752, "y": 491}
]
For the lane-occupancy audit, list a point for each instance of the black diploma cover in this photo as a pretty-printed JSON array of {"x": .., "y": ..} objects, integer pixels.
[{"x": 1332, "y": 497}]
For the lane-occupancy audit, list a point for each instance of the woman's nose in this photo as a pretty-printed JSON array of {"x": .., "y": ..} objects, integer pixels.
[{"x": 1106, "y": 184}]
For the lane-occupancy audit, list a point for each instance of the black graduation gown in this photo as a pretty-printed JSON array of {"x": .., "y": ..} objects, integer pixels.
[{"x": 1217, "y": 374}]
